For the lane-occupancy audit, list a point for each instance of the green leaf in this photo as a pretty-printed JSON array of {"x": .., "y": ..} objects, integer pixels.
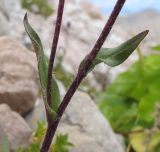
[
  {"x": 61, "y": 144},
  {"x": 157, "y": 148},
  {"x": 116, "y": 56},
  {"x": 43, "y": 69},
  {"x": 5, "y": 144},
  {"x": 143, "y": 141},
  {"x": 147, "y": 106},
  {"x": 41, "y": 128},
  {"x": 42, "y": 7},
  {"x": 156, "y": 48}
]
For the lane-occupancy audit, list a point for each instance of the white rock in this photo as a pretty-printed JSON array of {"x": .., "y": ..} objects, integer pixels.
[
  {"x": 91, "y": 10},
  {"x": 18, "y": 75},
  {"x": 88, "y": 130},
  {"x": 4, "y": 25},
  {"x": 37, "y": 114},
  {"x": 14, "y": 127}
]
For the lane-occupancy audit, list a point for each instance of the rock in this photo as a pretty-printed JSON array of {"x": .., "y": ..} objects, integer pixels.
[
  {"x": 37, "y": 114},
  {"x": 90, "y": 10},
  {"x": 4, "y": 25},
  {"x": 141, "y": 21},
  {"x": 87, "y": 128},
  {"x": 10, "y": 12},
  {"x": 14, "y": 127},
  {"x": 3, "y": 8},
  {"x": 18, "y": 75},
  {"x": 13, "y": 13},
  {"x": 9, "y": 6}
]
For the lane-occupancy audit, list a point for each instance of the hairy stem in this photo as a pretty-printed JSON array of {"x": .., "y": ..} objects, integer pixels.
[{"x": 52, "y": 127}]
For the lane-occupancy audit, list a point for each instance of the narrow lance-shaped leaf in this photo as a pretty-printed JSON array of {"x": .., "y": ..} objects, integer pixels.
[
  {"x": 116, "y": 56},
  {"x": 43, "y": 69},
  {"x": 5, "y": 144}
]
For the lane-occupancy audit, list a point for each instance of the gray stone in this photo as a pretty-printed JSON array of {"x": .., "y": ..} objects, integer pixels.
[
  {"x": 4, "y": 24},
  {"x": 87, "y": 128},
  {"x": 9, "y": 6},
  {"x": 18, "y": 75},
  {"x": 14, "y": 127},
  {"x": 90, "y": 10},
  {"x": 36, "y": 115}
]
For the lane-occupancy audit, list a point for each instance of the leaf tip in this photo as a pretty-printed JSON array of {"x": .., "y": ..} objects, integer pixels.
[
  {"x": 25, "y": 17},
  {"x": 138, "y": 38},
  {"x": 144, "y": 33}
]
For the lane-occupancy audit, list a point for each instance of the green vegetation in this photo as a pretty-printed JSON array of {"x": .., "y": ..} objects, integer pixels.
[
  {"x": 130, "y": 103},
  {"x": 5, "y": 145},
  {"x": 38, "y": 6},
  {"x": 61, "y": 143}
]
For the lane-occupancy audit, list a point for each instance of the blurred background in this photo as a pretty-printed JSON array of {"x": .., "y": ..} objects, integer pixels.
[
  {"x": 132, "y": 6},
  {"x": 114, "y": 110}
]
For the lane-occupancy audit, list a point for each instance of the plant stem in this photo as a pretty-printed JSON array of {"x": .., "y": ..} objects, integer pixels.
[
  {"x": 54, "y": 48},
  {"x": 48, "y": 137},
  {"x": 52, "y": 127},
  {"x": 89, "y": 58}
]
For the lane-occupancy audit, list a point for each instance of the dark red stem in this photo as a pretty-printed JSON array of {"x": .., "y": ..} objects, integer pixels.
[
  {"x": 54, "y": 48},
  {"x": 52, "y": 127},
  {"x": 48, "y": 137},
  {"x": 89, "y": 58}
]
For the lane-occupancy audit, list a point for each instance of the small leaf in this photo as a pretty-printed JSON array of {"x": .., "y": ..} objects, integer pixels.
[
  {"x": 116, "y": 56},
  {"x": 5, "y": 144},
  {"x": 156, "y": 48},
  {"x": 147, "y": 106},
  {"x": 145, "y": 141},
  {"x": 43, "y": 69},
  {"x": 61, "y": 144}
]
